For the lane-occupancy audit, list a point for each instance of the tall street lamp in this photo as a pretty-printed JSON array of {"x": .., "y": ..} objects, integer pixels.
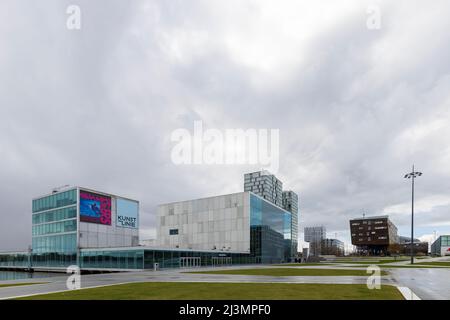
[{"x": 412, "y": 175}]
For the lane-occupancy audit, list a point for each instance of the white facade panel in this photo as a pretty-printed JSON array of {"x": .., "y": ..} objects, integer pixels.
[{"x": 221, "y": 223}]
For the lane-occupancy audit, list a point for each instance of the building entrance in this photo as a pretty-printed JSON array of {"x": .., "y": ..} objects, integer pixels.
[
  {"x": 221, "y": 261},
  {"x": 190, "y": 262}
]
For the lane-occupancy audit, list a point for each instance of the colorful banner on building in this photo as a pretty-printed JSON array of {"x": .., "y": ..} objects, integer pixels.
[
  {"x": 127, "y": 213},
  {"x": 95, "y": 208}
]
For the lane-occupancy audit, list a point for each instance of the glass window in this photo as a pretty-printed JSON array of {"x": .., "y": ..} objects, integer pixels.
[
  {"x": 55, "y": 215},
  {"x": 270, "y": 231},
  {"x": 57, "y": 200}
]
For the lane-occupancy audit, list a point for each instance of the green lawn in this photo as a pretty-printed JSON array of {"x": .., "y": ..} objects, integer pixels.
[
  {"x": 19, "y": 284},
  {"x": 376, "y": 262},
  {"x": 406, "y": 266},
  {"x": 280, "y": 272},
  {"x": 227, "y": 291},
  {"x": 301, "y": 264},
  {"x": 416, "y": 265},
  {"x": 435, "y": 263}
]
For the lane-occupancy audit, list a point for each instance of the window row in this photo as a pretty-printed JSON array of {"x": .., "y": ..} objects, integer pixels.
[
  {"x": 60, "y": 199},
  {"x": 146, "y": 259},
  {"x": 57, "y": 243},
  {"x": 55, "y": 215},
  {"x": 445, "y": 241},
  {"x": 54, "y": 259},
  {"x": 113, "y": 259},
  {"x": 58, "y": 227},
  {"x": 17, "y": 260}
]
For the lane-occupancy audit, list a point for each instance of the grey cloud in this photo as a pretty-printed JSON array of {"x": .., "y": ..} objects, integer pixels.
[{"x": 96, "y": 107}]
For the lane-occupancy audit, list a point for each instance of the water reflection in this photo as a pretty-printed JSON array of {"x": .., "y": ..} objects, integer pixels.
[{"x": 17, "y": 275}]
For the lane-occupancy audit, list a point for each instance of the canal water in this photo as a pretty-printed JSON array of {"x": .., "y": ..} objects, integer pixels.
[{"x": 17, "y": 275}]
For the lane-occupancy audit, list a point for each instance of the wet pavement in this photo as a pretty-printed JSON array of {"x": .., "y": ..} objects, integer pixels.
[{"x": 428, "y": 284}]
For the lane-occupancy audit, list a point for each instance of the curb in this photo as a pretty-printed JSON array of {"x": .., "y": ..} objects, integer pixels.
[{"x": 408, "y": 294}]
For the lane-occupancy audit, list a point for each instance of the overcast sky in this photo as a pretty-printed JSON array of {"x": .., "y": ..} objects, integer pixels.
[{"x": 355, "y": 107}]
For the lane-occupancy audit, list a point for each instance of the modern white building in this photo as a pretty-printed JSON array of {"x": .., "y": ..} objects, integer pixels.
[
  {"x": 100, "y": 231},
  {"x": 240, "y": 222},
  {"x": 215, "y": 223}
]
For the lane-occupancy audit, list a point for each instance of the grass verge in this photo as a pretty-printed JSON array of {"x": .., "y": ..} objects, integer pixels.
[
  {"x": 226, "y": 291},
  {"x": 399, "y": 267},
  {"x": 376, "y": 262},
  {"x": 436, "y": 263},
  {"x": 19, "y": 284},
  {"x": 301, "y": 264}
]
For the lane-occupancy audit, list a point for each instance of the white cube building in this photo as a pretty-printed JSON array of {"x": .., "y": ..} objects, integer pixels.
[
  {"x": 221, "y": 222},
  {"x": 240, "y": 222}
]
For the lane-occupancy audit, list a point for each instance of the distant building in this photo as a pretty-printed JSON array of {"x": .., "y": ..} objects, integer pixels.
[
  {"x": 315, "y": 236},
  {"x": 315, "y": 233},
  {"x": 404, "y": 246},
  {"x": 333, "y": 247},
  {"x": 402, "y": 240},
  {"x": 441, "y": 247},
  {"x": 305, "y": 253},
  {"x": 420, "y": 248},
  {"x": 373, "y": 235}
]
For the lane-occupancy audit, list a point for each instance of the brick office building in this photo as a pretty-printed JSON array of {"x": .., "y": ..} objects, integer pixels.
[{"x": 373, "y": 235}]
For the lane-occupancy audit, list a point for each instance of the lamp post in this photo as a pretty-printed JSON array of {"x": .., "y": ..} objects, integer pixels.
[{"x": 412, "y": 175}]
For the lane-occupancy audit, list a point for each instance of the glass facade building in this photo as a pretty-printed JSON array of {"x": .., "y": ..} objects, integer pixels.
[
  {"x": 54, "y": 230},
  {"x": 441, "y": 247},
  {"x": 270, "y": 188},
  {"x": 242, "y": 222},
  {"x": 232, "y": 229},
  {"x": 146, "y": 258},
  {"x": 270, "y": 232},
  {"x": 15, "y": 259}
]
